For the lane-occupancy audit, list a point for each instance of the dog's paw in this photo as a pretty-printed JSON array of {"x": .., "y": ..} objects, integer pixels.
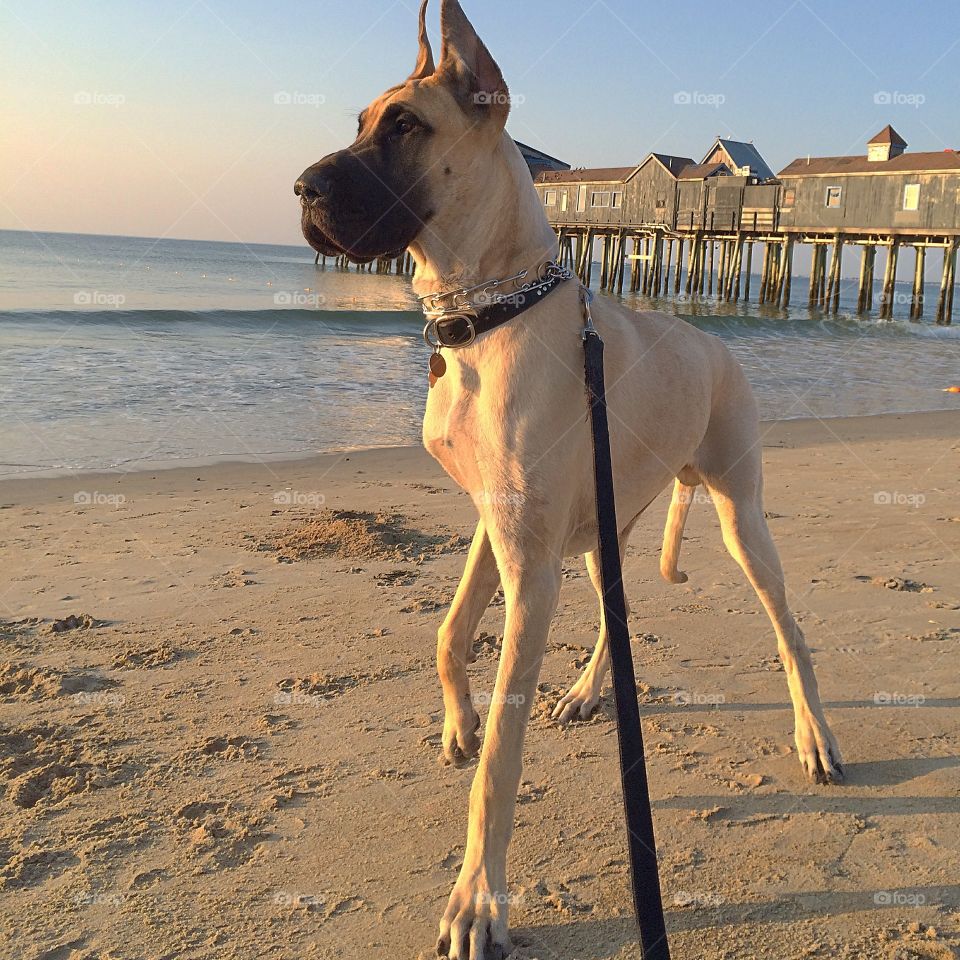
[
  {"x": 474, "y": 926},
  {"x": 819, "y": 754},
  {"x": 580, "y": 702},
  {"x": 460, "y": 741}
]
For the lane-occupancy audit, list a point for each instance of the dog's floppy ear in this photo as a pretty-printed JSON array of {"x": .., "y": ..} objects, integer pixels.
[
  {"x": 469, "y": 70},
  {"x": 425, "y": 66}
]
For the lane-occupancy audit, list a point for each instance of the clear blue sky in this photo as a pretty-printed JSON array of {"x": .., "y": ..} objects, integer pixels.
[{"x": 160, "y": 118}]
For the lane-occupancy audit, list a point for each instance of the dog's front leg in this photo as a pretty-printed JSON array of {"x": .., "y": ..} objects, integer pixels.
[
  {"x": 454, "y": 648},
  {"x": 474, "y": 926}
]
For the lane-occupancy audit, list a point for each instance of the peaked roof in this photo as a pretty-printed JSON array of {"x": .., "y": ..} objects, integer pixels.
[
  {"x": 743, "y": 155},
  {"x": 673, "y": 164},
  {"x": 529, "y": 151},
  {"x": 888, "y": 135},
  {"x": 944, "y": 161},
  {"x": 589, "y": 175},
  {"x": 703, "y": 171}
]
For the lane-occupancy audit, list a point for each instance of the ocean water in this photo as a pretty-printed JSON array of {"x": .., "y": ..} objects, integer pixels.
[{"x": 129, "y": 353}]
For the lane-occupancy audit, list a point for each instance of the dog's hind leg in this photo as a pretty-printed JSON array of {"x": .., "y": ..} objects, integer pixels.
[
  {"x": 455, "y": 648},
  {"x": 737, "y": 495},
  {"x": 673, "y": 532},
  {"x": 579, "y": 702},
  {"x": 582, "y": 698}
]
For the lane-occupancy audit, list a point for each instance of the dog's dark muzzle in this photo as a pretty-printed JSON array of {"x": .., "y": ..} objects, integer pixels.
[
  {"x": 354, "y": 203},
  {"x": 312, "y": 188}
]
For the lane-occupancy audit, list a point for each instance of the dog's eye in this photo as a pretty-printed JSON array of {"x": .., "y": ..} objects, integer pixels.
[{"x": 405, "y": 124}]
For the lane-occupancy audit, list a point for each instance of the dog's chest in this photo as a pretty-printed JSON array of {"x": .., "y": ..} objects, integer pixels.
[{"x": 450, "y": 427}]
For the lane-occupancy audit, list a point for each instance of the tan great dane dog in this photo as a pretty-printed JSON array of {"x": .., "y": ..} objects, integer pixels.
[{"x": 433, "y": 170}]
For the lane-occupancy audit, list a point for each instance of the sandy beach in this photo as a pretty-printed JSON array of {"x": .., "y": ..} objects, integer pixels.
[{"x": 220, "y": 719}]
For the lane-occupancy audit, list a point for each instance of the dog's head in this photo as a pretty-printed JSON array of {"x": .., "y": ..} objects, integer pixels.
[{"x": 414, "y": 151}]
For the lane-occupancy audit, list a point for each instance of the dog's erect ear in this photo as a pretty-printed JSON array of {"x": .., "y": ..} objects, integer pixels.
[
  {"x": 425, "y": 66},
  {"x": 468, "y": 69}
]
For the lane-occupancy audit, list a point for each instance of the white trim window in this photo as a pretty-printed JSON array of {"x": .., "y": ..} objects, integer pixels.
[
  {"x": 550, "y": 198},
  {"x": 564, "y": 201},
  {"x": 834, "y": 197},
  {"x": 600, "y": 198},
  {"x": 911, "y": 197},
  {"x": 616, "y": 199}
]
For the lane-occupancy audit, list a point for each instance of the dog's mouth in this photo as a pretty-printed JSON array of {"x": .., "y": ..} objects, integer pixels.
[{"x": 321, "y": 241}]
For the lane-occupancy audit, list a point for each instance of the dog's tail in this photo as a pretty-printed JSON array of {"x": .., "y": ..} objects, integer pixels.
[{"x": 673, "y": 534}]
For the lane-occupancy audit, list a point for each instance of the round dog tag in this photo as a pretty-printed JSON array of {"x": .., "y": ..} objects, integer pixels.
[{"x": 438, "y": 366}]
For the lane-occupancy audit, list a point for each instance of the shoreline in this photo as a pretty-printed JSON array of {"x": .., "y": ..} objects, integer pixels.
[{"x": 799, "y": 431}]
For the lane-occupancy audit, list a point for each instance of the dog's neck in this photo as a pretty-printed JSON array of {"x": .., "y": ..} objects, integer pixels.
[{"x": 500, "y": 234}]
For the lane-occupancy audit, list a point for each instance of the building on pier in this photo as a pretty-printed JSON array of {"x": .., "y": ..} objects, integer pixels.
[
  {"x": 538, "y": 161},
  {"x": 638, "y": 196},
  {"x": 741, "y": 158},
  {"x": 886, "y": 190}
]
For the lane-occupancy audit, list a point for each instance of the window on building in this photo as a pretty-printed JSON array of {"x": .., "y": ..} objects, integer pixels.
[
  {"x": 911, "y": 196},
  {"x": 790, "y": 197},
  {"x": 600, "y": 198},
  {"x": 564, "y": 200},
  {"x": 616, "y": 199},
  {"x": 834, "y": 196},
  {"x": 550, "y": 198}
]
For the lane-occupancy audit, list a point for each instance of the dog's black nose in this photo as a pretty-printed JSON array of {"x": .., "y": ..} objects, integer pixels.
[{"x": 311, "y": 188}]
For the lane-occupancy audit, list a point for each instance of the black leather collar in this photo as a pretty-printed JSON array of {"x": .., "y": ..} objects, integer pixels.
[{"x": 459, "y": 327}]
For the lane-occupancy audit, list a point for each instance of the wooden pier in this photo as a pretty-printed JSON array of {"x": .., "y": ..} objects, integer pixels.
[
  {"x": 401, "y": 265},
  {"x": 670, "y": 227},
  {"x": 657, "y": 261}
]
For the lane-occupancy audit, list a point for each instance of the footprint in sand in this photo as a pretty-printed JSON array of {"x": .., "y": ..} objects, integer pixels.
[
  {"x": 220, "y": 833},
  {"x": 900, "y": 584},
  {"x": 18, "y": 681},
  {"x": 44, "y": 765},
  {"x": 146, "y": 657}
]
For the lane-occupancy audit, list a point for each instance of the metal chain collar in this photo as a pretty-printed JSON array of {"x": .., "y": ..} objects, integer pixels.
[{"x": 467, "y": 302}]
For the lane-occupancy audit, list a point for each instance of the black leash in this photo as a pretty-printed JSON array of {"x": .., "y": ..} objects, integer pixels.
[{"x": 644, "y": 873}]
